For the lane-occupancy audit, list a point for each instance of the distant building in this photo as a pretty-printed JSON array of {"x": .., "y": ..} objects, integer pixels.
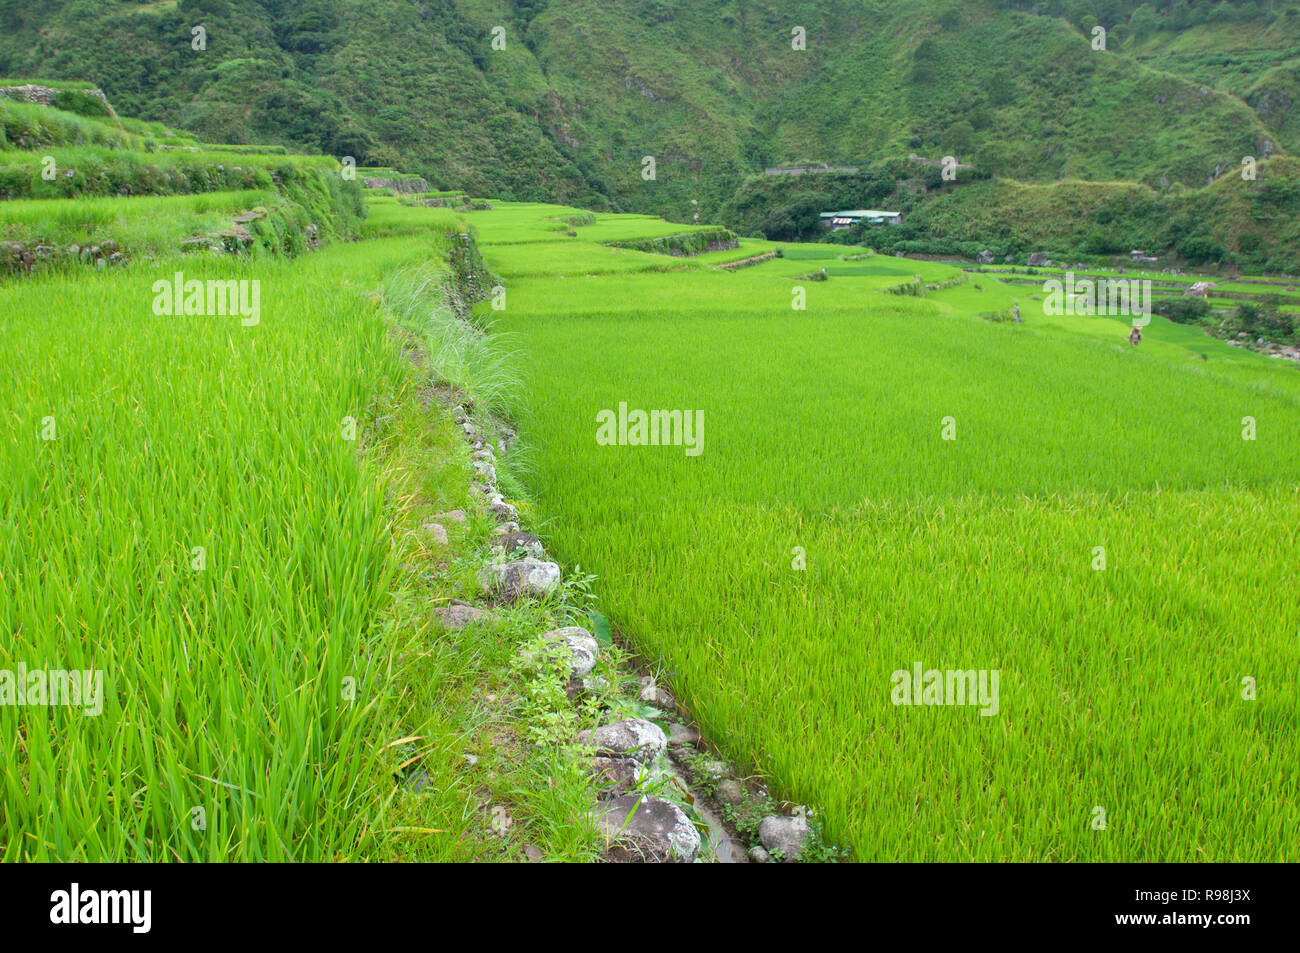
[{"x": 837, "y": 221}]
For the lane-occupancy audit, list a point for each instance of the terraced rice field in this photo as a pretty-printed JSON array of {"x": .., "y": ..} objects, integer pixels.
[
  {"x": 888, "y": 480},
  {"x": 873, "y": 481},
  {"x": 185, "y": 513}
]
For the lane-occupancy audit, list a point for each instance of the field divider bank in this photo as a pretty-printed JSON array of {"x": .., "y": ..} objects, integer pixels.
[{"x": 660, "y": 794}]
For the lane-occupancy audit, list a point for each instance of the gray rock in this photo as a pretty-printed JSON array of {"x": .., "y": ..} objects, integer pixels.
[
  {"x": 509, "y": 542},
  {"x": 730, "y": 791},
  {"x": 633, "y": 738},
  {"x": 653, "y": 694},
  {"x": 581, "y": 649},
  {"x": 502, "y": 510},
  {"x": 985, "y": 257},
  {"x": 615, "y": 776},
  {"x": 785, "y": 834},
  {"x": 1038, "y": 259},
  {"x": 679, "y": 734},
  {"x": 439, "y": 533},
  {"x": 522, "y": 579},
  {"x": 759, "y": 856},
  {"x": 457, "y": 617},
  {"x": 534, "y": 854},
  {"x": 451, "y": 516},
  {"x": 507, "y": 527},
  {"x": 486, "y": 471},
  {"x": 647, "y": 830}
]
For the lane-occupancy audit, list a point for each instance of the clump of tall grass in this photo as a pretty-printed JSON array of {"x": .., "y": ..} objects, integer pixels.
[
  {"x": 913, "y": 289},
  {"x": 461, "y": 354}
]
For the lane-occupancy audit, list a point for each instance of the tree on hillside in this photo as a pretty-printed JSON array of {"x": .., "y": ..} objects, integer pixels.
[
  {"x": 924, "y": 59},
  {"x": 1143, "y": 22},
  {"x": 798, "y": 221},
  {"x": 957, "y": 140}
]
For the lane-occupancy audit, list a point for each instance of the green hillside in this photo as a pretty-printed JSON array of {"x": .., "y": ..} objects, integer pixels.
[{"x": 582, "y": 91}]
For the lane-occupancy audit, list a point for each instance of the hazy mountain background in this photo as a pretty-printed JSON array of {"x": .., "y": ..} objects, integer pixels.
[{"x": 1068, "y": 147}]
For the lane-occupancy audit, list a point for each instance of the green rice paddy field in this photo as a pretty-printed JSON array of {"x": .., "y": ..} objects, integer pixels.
[
  {"x": 128, "y": 439},
  {"x": 184, "y": 511},
  {"x": 1121, "y": 688}
]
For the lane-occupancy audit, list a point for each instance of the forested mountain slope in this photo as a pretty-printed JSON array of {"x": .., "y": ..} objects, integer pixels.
[{"x": 578, "y": 92}]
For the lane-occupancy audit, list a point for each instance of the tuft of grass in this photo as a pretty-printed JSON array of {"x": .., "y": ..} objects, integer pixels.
[{"x": 461, "y": 354}]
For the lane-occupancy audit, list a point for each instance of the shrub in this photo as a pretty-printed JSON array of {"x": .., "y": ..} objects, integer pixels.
[{"x": 1183, "y": 310}]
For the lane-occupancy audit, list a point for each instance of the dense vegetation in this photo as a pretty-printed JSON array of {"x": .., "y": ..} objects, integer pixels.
[
  {"x": 1253, "y": 225},
  {"x": 583, "y": 90}
]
